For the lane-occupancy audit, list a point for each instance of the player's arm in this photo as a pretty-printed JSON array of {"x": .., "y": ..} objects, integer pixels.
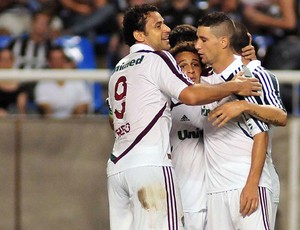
[
  {"x": 267, "y": 113},
  {"x": 249, "y": 196},
  {"x": 198, "y": 94}
]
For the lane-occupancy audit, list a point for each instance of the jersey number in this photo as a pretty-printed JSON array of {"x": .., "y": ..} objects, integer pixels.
[{"x": 120, "y": 95}]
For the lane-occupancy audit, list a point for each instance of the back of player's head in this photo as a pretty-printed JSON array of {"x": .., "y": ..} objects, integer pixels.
[
  {"x": 240, "y": 38},
  {"x": 220, "y": 24},
  {"x": 182, "y": 33},
  {"x": 135, "y": 19},
  {"x": 188, "y": 46}
]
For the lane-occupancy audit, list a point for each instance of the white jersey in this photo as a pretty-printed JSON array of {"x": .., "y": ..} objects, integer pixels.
[
  {"x": 188, "y": 155},
  {"x": 62, "y": 98},
  {"x": 228, "y": 149},
  {"x": 140, "y": 99}
]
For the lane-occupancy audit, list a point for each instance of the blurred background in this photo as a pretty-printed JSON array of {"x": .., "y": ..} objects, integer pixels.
[{"x": 55, "y": 61}]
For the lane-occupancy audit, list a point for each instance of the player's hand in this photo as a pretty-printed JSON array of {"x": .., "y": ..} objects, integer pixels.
[
  {"x": 226, "y": 112},
  {"x": 248, "y": 52},
  {"x": 249, "y": 200},
  {"x": 247, "y": 86}
]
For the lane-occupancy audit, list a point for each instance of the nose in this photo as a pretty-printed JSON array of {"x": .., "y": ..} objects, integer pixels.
[
  {"x": 167, "y": 28},
  {"x": 190, "y": 69},
  {"x": 197, "y": 44}
]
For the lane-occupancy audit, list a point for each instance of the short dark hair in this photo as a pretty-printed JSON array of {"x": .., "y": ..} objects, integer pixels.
[
  {"x": 135, "y": 19},
  {"x": 181, "y": 33},
  {"x": 221, "y": 20},
  {"x": 240, "y": 38}
]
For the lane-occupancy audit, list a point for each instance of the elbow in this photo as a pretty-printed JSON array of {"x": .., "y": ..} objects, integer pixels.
[
  {"x": 187, "y": 97},
  {"x": 282, "y": 121},
  {"x": 291, "y": 25}
]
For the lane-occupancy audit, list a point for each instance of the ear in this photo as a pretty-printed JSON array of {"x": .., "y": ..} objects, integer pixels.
[
  {"x": 139, "y": 36},
  {"x": 225, "y": 41}
]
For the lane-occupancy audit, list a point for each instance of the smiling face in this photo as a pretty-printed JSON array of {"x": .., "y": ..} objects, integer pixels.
[
  {"x": 189, "y": 63},
  {"x": 156, "y": 33}
]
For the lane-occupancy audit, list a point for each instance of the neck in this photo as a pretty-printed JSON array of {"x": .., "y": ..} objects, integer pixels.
[{"x": 222, "y": 64}]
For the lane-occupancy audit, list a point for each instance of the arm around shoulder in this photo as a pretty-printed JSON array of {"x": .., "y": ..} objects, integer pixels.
[{"x": 199, "y": 94}]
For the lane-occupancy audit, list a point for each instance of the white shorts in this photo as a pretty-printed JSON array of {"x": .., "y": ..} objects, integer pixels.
[
  {"x": 195, "y": 220},
  {"x": 145, "y": 198},
  {"x": 223, "y": 211}
]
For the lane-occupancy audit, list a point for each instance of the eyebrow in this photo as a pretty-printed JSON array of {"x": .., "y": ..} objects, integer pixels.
[{"x": 183, "y": 60}]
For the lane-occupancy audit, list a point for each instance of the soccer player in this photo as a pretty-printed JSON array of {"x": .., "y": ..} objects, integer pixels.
[
  {"x": 264, "y": 112},
  {"x": 142, "y": 188},
  {"x": 238, "y": 180},
  {"x": 186, "y": 138}
]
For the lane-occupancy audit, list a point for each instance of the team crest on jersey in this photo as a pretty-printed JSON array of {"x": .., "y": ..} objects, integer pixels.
[
  {"x": 184, "y": 118},
  {"x": 204, "y": 111}
]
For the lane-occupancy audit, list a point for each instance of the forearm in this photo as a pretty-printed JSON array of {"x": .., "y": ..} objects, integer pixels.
[
  {"x": 258, "y": 157},
  {"x": 199, "y": 94},
  {"x": 267, "y": 113},
  {"x": 21, "y": 103}
]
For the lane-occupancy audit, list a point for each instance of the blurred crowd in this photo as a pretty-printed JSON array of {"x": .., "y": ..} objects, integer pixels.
[{"x": 30, "y": 31}]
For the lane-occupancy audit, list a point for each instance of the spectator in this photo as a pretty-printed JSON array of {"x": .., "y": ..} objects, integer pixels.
[
  {"x": 91, "y": 19},
  {"x": 62, "y": 99},
  {"x": 276, "y": 20},
  {"x": 12, "y": 95},
  {"x": 176, "y": 12},
  {"x": 14, "y": 17},
  {"x": 230, "y": 7},
  {"x": 31, "y": 49}
]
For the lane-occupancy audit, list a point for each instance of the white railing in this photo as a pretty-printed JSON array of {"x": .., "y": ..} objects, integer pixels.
[{"x": 102, "y": 75}]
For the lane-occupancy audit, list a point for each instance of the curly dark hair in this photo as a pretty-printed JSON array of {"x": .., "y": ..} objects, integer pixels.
[
  {"x": 183, "y": 32},
  {"x": 135, "y": 19}
]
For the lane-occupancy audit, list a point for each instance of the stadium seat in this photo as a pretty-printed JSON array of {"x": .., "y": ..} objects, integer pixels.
[{"x": 81, "y": 50}]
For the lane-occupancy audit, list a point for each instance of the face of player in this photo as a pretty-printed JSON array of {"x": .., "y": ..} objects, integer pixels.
[
  {"x": 189, "y": 63},
  {"x": 156, "y": 32},
  {"x": 6, "y": 59},
  {"x": 208, "y": 45}
]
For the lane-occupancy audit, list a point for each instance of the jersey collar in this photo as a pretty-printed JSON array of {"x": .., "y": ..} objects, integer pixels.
[
  {"x": 232, "y": 68},
  {"x": 136, "y": 47}
]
